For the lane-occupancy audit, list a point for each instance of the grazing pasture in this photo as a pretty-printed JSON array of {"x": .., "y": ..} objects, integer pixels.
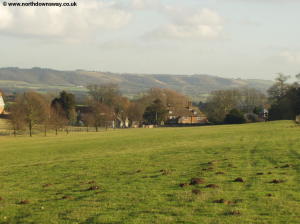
[{"x": 217, "y": 174}]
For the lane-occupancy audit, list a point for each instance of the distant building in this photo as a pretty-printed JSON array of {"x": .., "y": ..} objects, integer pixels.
[
  {"x": 2, "y": 104},
  {"x": 186, "y": 115}
]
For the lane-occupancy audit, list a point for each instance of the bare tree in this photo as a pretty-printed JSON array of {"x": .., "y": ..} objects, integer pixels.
[
  {"x": 100, "y": 114},
  {"x": 32, "y": 108},
  {"x": 280, "y": 88},
  {"x": 17, "y": 118},
  {"x": 58, "y": 119},
  {"x": 221, "y": 102}
]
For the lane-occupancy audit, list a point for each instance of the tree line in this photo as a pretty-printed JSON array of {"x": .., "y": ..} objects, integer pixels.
[
  {"x": 104, "y": 106},
  {"x": 235, "y": 106}
]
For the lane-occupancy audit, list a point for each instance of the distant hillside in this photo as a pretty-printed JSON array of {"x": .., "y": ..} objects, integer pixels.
[{"x": 196, "y": 86}]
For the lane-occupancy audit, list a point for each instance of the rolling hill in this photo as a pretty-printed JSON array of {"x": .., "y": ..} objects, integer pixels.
[{"x": 41, "y": 79}]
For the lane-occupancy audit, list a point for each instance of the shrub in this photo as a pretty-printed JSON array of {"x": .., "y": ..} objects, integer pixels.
[
  {"x": 234, "y": 117},
  {"x": 251, "y": 117}
]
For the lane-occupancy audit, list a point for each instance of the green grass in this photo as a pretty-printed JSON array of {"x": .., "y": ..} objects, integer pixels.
[{"x": 127, "y": 164}]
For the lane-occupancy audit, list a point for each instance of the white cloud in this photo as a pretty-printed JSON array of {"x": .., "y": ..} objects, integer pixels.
[
  {"x": 63, "y": 22},
  {"x": 145, "y": 4},
  {"x": 202, "y": 24},
  {"x": 292, "y": 57}
]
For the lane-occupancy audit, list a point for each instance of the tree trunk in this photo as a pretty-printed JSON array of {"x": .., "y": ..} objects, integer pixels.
[
  {"x": 55, "y": 131},
  {"x": 30, "y": 129}
]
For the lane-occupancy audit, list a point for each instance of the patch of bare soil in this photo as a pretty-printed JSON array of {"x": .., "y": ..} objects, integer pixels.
[
  {"x": 222, "y": 201},
  {"x": 183, "y": 185},
  {"x": 277, "y": 181},
  {"x": 24, "y": 202},
  {"x": 234, "y": 212},
  {"x": 67, "y": 197},
  {"x": 211, "y": 163},
  {"x": 196, "y": 181},
  {"x": 196, "y": 191},
  {"x": 93, "y": 188},
  {"x": 91, "y": 182},
  {"x": 239, "y": 179},
  {"x": 212, "y": 186},
  {"x": 286, "y": 166}
]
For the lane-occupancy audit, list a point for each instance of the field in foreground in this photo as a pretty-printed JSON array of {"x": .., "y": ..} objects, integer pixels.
[{"x": 133, "y": 176}]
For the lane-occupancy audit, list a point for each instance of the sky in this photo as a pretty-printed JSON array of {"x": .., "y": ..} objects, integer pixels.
[{"x": 249, "y": 39}]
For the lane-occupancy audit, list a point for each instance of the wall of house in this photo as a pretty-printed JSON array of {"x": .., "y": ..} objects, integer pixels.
[
  {"x": 1, "y": 104},
  {"x": 192, "y": 120}
]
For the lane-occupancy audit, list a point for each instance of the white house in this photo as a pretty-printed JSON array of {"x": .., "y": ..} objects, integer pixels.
[{"x": 1, "y": 104}]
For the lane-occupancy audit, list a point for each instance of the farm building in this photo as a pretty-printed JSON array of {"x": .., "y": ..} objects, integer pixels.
[
  {"x": 1, "y": 104},
  {"x": 186, "y": 115}
]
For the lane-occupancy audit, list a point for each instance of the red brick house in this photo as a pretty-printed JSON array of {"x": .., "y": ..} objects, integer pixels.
[{"x": 186, "y": 115}]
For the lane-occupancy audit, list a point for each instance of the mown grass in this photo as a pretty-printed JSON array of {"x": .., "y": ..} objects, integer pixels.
[{"x": 138, "y": 172}]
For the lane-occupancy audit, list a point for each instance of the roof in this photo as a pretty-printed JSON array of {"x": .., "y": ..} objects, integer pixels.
[{"x": 186, "y": 112}]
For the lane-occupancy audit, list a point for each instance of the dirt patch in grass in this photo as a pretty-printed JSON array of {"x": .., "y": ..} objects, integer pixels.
[
  {"x": 259, "y": 174},
  {"x": 212, "y": 186},
  {"x": 93, "y": 188},
  {"x": 196, "y": 181},
  {"x": 24, "y": 202},
  {"x": 239, "y": 179},
  {"x": 196, "y": 191},
  {"x": 231, "y": 165},
  {"x": 211, "y": 163},
  {"x": 223, "y": 201},
  {"x": 286, "y": 166},
  {"x": 233, "y": 212},
  {"x": 220, "y": 173},
  {"x": 67, "y": 197},
  {"x": 277, "y": 181},
  {"x": 269, "y": 195},
  {"x": 183, "y": 185},
  {"x": 138, "y": 171},
  {"x": 91, "y": 182},
  {"x": 1, "y": 199},
  {"x": 47, "y": 185}
]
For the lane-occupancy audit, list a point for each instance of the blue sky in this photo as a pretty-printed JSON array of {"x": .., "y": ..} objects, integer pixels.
[{"x": 229, "y": 38}]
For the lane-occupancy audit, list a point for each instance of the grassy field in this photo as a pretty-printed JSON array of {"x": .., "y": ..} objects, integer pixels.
[{"x": 134, "y": 176}]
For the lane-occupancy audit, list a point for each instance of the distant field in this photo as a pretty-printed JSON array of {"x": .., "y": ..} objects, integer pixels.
[{"x": 133, "y": 176}]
